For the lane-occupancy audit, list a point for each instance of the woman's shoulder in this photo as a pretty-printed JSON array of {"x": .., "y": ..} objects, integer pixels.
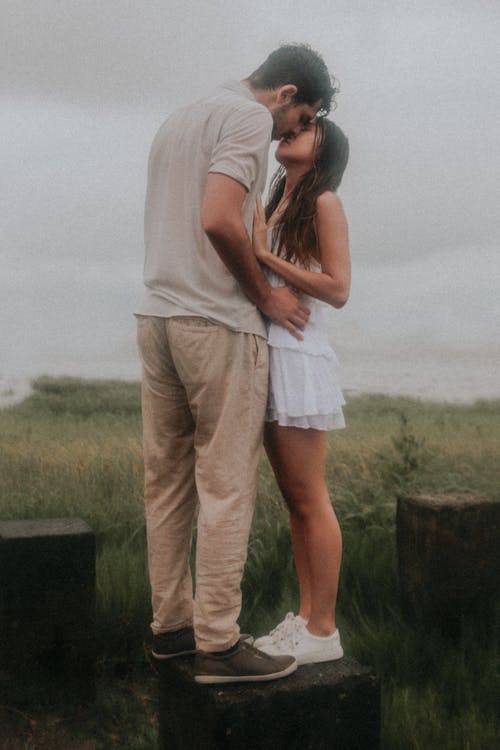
[
  {"x": 328, "y": 199},
  {"x": 328, "y": 203}
]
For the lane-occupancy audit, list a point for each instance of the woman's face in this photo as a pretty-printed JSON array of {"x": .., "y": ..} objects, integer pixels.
[{"x": 300, "y": 149}]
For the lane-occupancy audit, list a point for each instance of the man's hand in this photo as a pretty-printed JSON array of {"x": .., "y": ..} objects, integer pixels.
[{"x": 284, "y": 308}]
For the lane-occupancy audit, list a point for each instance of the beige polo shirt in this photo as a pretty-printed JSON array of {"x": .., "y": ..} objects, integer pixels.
[{"x": 228, "y": 132}]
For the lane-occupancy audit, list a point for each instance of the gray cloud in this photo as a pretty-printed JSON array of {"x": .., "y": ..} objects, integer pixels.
[{"x": 86, "y": 84}]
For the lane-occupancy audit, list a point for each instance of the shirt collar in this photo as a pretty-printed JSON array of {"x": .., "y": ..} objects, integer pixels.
[{"x": 238, "y": 87}]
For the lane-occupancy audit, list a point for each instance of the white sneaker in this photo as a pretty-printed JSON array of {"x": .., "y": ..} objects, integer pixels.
[
  {"x": 307, "y": 648},
  {"x": 282, "y": 631}
]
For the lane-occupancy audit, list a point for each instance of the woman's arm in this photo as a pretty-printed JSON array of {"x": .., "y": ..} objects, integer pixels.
[
  {"x": 224, "y": 227},
  {"x": 332, "y": 284}
]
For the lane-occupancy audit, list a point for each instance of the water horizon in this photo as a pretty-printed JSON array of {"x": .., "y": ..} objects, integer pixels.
[
  {"x": 447, "y": 377},
  {"x": 424, "y": 327}
]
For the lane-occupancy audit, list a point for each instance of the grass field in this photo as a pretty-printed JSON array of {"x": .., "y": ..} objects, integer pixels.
[{"x": 73, "y": 448}]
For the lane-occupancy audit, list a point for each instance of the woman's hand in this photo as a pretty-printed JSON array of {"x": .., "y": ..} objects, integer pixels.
[{"x": 259, "y": 232}]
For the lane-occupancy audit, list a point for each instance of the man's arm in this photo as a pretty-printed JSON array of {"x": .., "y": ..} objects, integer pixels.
[{"x": 224, "y": 227}]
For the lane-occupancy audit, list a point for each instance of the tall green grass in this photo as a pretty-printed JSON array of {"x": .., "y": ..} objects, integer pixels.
[{"x": 73, "y": 448}]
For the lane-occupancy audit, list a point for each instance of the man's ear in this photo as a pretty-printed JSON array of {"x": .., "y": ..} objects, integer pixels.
[{"x": 285, "y": 94}]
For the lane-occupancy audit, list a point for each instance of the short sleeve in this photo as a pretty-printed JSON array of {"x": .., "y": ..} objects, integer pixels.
[{"x": 242, "y": 148}]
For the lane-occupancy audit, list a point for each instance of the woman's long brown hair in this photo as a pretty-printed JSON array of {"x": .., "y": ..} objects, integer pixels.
[{"x": 294, "y": 235}]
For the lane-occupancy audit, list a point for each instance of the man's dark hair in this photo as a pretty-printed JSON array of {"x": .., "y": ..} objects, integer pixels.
[{"x": 302, "y": 66}]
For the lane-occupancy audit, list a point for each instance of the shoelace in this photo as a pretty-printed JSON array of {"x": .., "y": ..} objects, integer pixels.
[
  {"x": 283, "y": 625},
  {"x": 287, "y": 632},
  {"x": 256, "y": 654}
]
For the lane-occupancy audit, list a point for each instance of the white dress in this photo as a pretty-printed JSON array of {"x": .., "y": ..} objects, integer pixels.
[{"x": 304, "y": 388}]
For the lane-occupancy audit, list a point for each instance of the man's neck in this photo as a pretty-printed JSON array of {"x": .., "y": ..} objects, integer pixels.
[{"x": 267, "y": 97}]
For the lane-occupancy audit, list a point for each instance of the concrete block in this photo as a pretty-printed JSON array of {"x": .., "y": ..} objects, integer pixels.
[
  {"x": 47, "y": 610},
  {"x": 329, "y": 706}
]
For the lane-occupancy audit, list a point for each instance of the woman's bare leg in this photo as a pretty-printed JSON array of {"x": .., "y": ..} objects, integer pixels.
[
  {"x": 298, "y": 459},
  {"x": 301, "y": 566}
]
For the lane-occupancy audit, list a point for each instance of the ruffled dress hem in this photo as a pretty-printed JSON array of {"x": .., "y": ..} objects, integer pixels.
[
  {"x": 304, "y": 390},
  {"x": 323, "y": 422}
]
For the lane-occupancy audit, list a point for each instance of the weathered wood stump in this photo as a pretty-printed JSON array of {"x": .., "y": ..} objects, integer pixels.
[
  {"x": 47, "y": 610},
  {"x": 449, "y": 556},
  {"x": 329, "y": 706}
]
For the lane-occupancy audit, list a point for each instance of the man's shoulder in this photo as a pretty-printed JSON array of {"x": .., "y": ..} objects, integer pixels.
[
  {"x": 229, "y": 108},
  {"x": 231, "y": 96},
  {"x": 234, "y": 96}
]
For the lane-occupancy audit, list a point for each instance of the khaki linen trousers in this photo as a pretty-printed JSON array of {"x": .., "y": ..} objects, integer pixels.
[{"x": 204, "y": 391}]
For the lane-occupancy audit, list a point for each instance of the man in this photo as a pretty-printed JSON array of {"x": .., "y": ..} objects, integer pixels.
[{"x": 204, "y": 354}]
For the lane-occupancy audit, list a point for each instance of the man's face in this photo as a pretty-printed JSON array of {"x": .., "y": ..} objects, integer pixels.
[{"x": 290, "y": 118}]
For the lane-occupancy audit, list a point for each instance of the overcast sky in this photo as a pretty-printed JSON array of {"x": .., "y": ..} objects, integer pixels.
[{"x": 85, "y": 84}]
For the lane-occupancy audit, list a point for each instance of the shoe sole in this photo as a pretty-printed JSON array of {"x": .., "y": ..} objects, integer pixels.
[
  {"x": 172, "y": 656},
  {"x": 312, "y": 659},
  {"x": 209, "y": 679}
]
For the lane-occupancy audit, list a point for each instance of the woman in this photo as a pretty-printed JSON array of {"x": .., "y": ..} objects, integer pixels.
[{"x": 306, "y": 229}]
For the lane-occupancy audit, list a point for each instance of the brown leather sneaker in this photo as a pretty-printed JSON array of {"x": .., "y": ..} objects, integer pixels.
[
  {"x": 173, "y": 643},
  {"x": 180, "y": 643},
  {"x": 242, "y": 663}
]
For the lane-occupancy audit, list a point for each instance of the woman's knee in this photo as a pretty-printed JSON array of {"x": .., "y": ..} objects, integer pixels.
[
  {"x": 305, "y": 499},
  {"x": 299, "y": 499}
]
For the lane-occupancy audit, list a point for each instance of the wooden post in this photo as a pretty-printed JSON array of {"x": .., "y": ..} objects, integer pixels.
[
  {"x": 449, "y": 556},
  {"x": 47, "y": 610}
]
